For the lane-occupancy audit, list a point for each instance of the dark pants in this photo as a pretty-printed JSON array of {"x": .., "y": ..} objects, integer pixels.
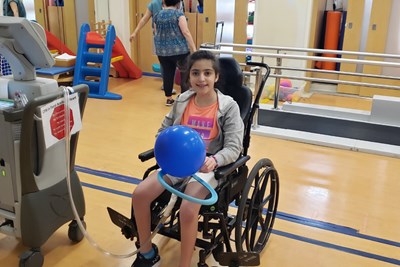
[{"x": 169, "y": 65}]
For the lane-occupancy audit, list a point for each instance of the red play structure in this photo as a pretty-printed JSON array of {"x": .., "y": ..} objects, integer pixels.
[
  {"x": 53, "y": 43},
  {"x": 126, "y": 68}
]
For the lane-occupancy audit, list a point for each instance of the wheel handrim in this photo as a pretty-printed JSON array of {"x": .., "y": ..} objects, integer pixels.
[{"x": 261, "y": 208}]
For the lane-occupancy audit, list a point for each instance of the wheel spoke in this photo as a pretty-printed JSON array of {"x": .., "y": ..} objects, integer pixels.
[{"x": 257, "y": 208}]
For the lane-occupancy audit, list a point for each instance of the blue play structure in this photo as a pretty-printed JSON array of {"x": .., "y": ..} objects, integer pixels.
[{"x": 84, "y": 72}]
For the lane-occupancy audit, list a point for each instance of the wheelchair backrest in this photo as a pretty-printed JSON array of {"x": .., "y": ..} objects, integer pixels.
[{"x": 231, "y": 83}]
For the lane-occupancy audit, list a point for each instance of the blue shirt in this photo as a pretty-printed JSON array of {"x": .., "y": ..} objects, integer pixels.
[
  {"x": 7, "y": 11},
  {"x": 154, "y": 6},
  {"x": 168, "y": 39}
]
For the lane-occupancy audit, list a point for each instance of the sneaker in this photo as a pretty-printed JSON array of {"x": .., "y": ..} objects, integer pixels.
[
  {"x": 143, "y": 262},
  {"x": 169, "y": 102}
]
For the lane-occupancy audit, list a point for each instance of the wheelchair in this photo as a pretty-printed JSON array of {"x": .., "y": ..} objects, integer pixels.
[{"x": 254, "y": 193}]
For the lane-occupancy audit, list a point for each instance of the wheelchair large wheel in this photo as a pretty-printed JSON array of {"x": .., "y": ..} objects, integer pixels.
[{"x": 257, "y": 208}]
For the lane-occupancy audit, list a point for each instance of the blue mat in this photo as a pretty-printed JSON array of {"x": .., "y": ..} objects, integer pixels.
[{"x": 54, "y": 70}]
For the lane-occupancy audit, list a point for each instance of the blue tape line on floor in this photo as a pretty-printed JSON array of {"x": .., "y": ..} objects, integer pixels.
[
  {"x": 337, "y": 247},
  {"x": 281, "y": 215},
  {"x": 109, "y": 175},
  {"x": 285, "y": 234},
  {"x": 108, "y": 190},
  {"x": 333, "y": 228}
]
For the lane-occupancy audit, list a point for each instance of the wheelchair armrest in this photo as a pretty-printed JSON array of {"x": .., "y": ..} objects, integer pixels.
[
  {"x": 225, "y": 170},
  {"x": 149, "y": 154}
]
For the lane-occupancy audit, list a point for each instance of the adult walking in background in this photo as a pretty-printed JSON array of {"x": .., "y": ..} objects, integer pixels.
[
  {"x": 14, "y": 8},
  {"x": 11, "y": 8},
  {"x": 152, "y": 9},
  {"x": 173, "y": 43}
]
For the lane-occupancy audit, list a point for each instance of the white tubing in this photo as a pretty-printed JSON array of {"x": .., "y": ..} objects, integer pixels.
[{"x": 75, "y": 212}]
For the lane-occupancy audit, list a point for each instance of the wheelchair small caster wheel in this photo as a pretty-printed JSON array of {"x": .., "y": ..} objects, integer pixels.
[
  {"x": 74, "y": 232},
  {"x": 31, "y": 258}
]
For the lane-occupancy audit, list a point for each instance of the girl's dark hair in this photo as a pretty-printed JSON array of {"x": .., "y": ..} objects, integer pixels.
[
  {"x": 199, "y": 55},
  {"x": 171, "y": 2}
]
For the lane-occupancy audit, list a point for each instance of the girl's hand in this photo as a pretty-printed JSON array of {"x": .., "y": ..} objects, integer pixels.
[{"x": 209, "y": 165}]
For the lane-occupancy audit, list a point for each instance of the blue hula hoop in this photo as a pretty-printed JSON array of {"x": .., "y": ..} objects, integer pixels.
[{"x": 208, "y": 201}]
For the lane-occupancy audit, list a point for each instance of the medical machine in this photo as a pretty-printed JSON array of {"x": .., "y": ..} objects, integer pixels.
[{"x": 34, "y": 198}]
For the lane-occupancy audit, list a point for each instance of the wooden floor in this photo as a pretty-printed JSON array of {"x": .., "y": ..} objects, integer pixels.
[{"x": 336, "y": 207}]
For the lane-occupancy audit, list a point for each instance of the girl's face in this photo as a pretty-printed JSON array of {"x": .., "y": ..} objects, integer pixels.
[{"x": 202, "y": 76}]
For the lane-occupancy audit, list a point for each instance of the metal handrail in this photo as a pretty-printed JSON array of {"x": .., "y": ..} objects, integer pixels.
[
  {"x": 383, "y": 86},
  {"x": 311, "y": 50},
  {"x": 313, "y": 58},
  {"x": 368, "y": 75},
  {"x": 279, "y": 66},
  {"x": 375, "y": 85}
]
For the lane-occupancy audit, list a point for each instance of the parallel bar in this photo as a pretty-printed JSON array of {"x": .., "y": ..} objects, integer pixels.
[
  {"x": 314, "y": 58},
  {"x": 368, "y": 75},
  {"x": 312, "y": 50},
  {"x": 375, "y": 85}
]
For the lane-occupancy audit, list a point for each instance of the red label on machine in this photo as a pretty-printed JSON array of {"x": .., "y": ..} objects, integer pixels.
[
  {"x": 57, "y": 122},
  {"x": 53, "y": 119}
]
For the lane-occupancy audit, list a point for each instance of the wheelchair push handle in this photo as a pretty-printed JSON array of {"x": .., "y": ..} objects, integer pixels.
[
  {"x": 257, "y": 64},
  {"x": 264, "y": 77}
]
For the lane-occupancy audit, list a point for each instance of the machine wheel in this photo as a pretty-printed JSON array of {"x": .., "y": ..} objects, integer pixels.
[
  {"x": 257, "y": 208},
  {"x": 31, "y": 258},
  {"x": 74, "y": 232}
]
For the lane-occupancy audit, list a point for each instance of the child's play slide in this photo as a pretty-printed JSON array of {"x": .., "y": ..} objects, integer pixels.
[
  {"x": 53, "y": 43},
  {"x": 125, "y": 67}
]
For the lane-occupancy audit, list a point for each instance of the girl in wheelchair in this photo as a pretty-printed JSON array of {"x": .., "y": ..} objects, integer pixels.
[{"x": 217, "y": 118}]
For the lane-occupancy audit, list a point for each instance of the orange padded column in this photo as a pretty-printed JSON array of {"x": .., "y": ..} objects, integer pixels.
[{"x": 332, "y": 33}]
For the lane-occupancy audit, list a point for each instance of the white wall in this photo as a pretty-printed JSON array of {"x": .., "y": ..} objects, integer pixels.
[
  {"x": 225, "y": 13},
  {"x": 283, "y": 23},
  {"x": 82, "y": 14},
  {"x": 102, "y": 10},
  {"x": 119, "y": 16}
]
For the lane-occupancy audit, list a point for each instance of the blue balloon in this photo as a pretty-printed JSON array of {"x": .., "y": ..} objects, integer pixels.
[{"x": 180, "y": 151}]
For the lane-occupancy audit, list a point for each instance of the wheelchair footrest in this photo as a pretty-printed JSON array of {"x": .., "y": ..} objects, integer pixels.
[
  {"x": 128, "y": 228},
  {"x": 236, "y": 259}
]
